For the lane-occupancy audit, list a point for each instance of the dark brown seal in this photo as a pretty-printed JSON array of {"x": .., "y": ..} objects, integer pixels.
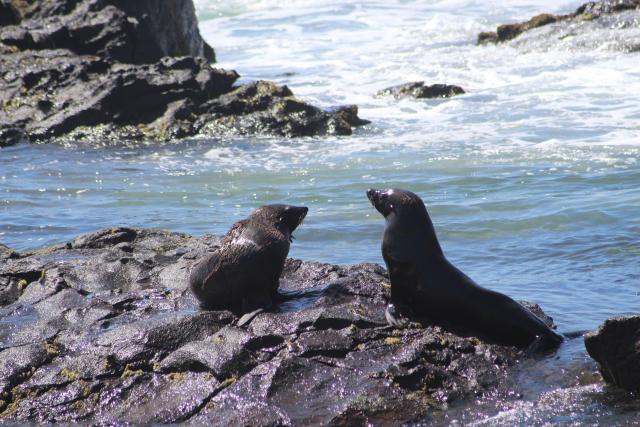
[
  {"x": 424, "y": 283},
  {"x": 243, "y": 274}
]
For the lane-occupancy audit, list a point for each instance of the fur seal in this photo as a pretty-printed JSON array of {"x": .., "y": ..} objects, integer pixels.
[
  {"x": 425, "y": 283},
  {"x": 242, "y": 275}
]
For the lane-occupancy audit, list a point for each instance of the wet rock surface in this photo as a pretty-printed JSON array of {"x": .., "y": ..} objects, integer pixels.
[
  {"x": 615, "y": 345},
  {"x": 422, "y": 90},
  {"x": 103, "y": 330},
  {"x": 123, "y": 31},
  {"x": 109, "y": 70},
  {"x": 612, "y": 24}
]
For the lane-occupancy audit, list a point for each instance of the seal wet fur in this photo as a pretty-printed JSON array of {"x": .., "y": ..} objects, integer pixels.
[
  {"x": 243, "y": 274},
  {"x": 425, "y": 284}
]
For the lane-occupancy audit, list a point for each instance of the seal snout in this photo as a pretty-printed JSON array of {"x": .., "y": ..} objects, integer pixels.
[
  {"x": 373, "y": 195},
  {"x": 294, "y": 215},
  {"x": 303, "y": 213}
]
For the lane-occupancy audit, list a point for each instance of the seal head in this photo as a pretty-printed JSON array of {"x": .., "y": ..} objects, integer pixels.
[{"x": 283, "y": 217}]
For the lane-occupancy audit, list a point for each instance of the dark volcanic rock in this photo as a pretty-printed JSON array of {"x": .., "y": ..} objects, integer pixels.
[
  {"x": 6, "y": 252},
  {"x": 420, "y": 90},
  {"x": 266, "y": 108},
  {"x": 115, "y": 70},
  {"x": 608, "y": 15},
  {"x": 61, "y": 91},
  {"x": 170, "y": 27},
  {"x": 102, "y": 330},
  {"x": 63, "y": 94},
  {"x": 141, "y": 31},
  {"x": 27, "y": 9},
  {"x": 8, "y": 14},
  {"x": 616, "y": 348},
  {"x": 12, "y": 135},
  {"x": 510, "y": 31}
]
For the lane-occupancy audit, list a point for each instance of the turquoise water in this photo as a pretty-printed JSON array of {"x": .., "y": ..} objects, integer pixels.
[{"x": 532, "y": 178}]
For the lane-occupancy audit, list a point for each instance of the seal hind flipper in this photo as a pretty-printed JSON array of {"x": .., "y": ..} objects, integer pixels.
[{"x": 575, "y": 334}]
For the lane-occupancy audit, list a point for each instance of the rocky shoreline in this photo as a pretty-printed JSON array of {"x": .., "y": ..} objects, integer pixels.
[
  {"x": 589, "y": 18},
  {"x": 103, "y": 329},
  {"x": 112, "y": 71},
  {"x": 102, "y": 70}
]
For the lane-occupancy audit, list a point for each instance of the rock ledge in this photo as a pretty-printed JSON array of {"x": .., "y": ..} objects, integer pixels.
[{"x": 103, "y": 330}]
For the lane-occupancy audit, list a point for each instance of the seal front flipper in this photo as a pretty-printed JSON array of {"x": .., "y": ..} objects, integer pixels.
[
  {"x": 248, "y": 317},
  {"x": 252, "y": 305},
  {"x": 394, "y": 318}
]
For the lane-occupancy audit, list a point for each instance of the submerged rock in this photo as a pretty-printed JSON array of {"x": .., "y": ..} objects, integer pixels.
[
  {"x": 421, "y": 90},
  {"x": 103, "y": 330},
  {"x": 611, "y": 23},
  {"x": 98, "y": 71},
  {"x": 510, "y": 31},
  {"x": 616, "y": 348}
]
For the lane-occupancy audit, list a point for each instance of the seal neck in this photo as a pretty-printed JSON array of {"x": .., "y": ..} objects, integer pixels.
[{"x": 417, "y": 231}]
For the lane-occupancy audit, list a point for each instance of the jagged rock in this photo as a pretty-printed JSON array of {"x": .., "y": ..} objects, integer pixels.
[
  {"x": 103, "y": 330},
  {"x": 173, "y": 98},
  {"x": 8, "y": 14},
  {"x": 266, "y": 108},
  {"x": 609, "y": 15},
  {"x": 12, "y": 135},
  {"x": 421, "y": 90},
  {"x": 67, "y": 91},
  {"x": 115, "y": 71},
  {"x": 27, "y": 9},
  {"x": 133, "y": 32},
  {"x": 616, "y": 348},
  {"x": 511, "y": 31},
  {"x": 6, "y": 252}
]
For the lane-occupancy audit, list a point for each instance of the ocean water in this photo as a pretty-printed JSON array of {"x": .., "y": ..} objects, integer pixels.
[{"x": 532, "y": 178}]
